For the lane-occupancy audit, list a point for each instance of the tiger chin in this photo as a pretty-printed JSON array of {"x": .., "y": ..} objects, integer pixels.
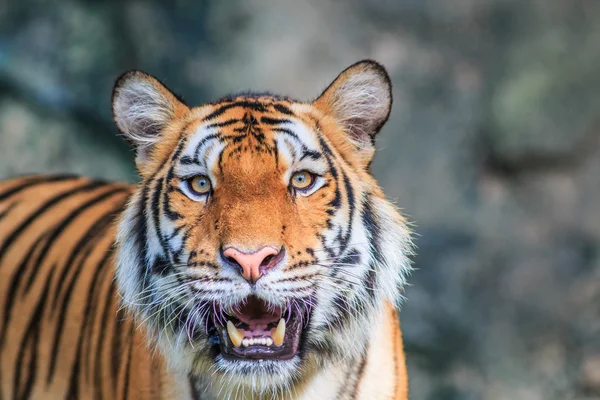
[{"x": 257, "y": 257}]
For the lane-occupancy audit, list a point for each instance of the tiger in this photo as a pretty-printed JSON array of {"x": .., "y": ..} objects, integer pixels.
[{"x": 257, "y": 257}]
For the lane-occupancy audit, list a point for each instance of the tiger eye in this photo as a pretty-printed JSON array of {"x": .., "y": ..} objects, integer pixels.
[
  {"x": 199, "y": 184},
  {"x": 302, "y": 179}
]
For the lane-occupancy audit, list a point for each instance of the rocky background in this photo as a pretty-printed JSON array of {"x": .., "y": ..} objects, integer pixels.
[{"x": 493, "y": 149}]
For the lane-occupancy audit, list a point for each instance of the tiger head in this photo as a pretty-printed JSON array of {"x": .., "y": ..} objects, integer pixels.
[{"x": 258, "y": 247}]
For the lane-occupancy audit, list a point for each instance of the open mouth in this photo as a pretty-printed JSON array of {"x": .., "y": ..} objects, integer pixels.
[{"x": 256, "y": 330}]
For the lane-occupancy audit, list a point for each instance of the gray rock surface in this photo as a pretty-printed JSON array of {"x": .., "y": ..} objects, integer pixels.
[{"x": 492, "y": 149}]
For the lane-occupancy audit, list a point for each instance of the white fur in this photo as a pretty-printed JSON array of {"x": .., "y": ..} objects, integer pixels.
[
  {"x": 364, "y": 98},
  {"x": 141, "y": 110}
]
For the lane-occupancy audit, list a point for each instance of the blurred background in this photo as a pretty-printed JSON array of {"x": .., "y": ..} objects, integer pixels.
[{"x": 492, "y": 149}]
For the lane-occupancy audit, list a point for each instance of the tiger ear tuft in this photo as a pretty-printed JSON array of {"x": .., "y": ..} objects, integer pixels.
[
  {"x": 142, "y": 107},
  {"x": 360, "y": 99}
]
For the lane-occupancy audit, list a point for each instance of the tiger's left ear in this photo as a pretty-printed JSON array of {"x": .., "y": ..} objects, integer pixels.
[{"x": 360, "y": 99}]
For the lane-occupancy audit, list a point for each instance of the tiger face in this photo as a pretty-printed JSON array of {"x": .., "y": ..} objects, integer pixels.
[{"x": 258, "y": 247}]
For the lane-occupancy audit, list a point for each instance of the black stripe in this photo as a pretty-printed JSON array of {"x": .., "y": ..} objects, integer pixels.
[
  {"x": 30, "y": 340},
  {"x": 212, "y": 136},
  {"x": 14, "y": 285},
  {"x": 35, "y": 181},
  {"x": 140, "y": 230},
  {"x": 85, "y": 327},
  {"x": 352, "y": 208},
  {"x": 359, "y": 375},
  {"x": 128, "y": 365},
  {"x": 223, "y": 124},
  {"x": 95, "y": 308},
  {"x": 169, "y": 213},
  {"x": 98, "y": 378},
  {"x": 246, "y": 104},
  {"x": 287, "y": 132},
  {"x": 187, "y": 160},
  {"x": 374, "y": 231},
  {"x": 282, "y": 109},
  {"x": 313, "y": 155},
  {"x": 117, "y": 346},
  {"x": 155, "y": 212},
  {"x": 8, "y": 209},
  {"x": 276, "y": 153},
  {"x": 274, "y": 121},
  {"x": 336, "y": 202}
]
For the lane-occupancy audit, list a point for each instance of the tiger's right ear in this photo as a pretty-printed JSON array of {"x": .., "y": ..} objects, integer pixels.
[{"x": 142, "y": 108}]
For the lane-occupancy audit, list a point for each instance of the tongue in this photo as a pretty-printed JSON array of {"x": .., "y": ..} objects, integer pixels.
[{"x": 257, "y": 314}]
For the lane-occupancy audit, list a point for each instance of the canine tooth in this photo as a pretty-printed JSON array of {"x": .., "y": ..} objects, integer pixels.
[
  {"x": 269, "y": 341},
  {"x": 235, "y": 335},
  {"x": 279, "y": 333},
  {"x": 246, "y": 342}
]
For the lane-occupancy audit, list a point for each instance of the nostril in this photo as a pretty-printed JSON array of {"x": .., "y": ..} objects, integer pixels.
[
  {"x": 267, "y": 260},
  {"x": 232, "y": 260}
]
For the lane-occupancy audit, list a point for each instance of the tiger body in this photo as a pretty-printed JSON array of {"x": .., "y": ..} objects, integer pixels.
[{"x": 116, "y": 291}]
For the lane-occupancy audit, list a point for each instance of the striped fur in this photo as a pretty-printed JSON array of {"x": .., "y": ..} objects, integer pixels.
[{"x": 115, "y": 291}]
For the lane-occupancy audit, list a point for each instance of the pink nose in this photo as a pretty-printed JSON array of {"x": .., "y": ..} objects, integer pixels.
[{"x": 253, "y": 265}]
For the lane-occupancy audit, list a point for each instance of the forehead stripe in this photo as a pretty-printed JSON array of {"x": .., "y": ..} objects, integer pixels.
[
  {"x": 224, "y": 123},
  {"x": 246, "y": 104},
  {"x": 283, "y": 109},
  {"x": 274, "y": 121}
]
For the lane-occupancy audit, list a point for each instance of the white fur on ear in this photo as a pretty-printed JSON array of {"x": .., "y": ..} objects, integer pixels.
[
  {"x": 360, "y": 99},
  {"x": 142, "y": 107}
]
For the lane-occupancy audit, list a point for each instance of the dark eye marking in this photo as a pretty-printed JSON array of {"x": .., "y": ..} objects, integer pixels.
[
  {"x": 186, "y": 160},
  {"x": 212, "y": 136},
  {"x": 313, "y": 155},
  {"x": 286, "y": 132}
]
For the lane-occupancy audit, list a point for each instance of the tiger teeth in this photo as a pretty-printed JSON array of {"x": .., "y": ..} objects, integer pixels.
[
  {"x": 262, "y": 341},
  {"x": 235, "y": 335},
  {"x": 279, "y": 333}
]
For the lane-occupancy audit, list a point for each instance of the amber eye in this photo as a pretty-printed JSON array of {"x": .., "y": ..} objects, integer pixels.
[
  {"x": 199, "y": 184},
  {"x": 302, "y": 180}
]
